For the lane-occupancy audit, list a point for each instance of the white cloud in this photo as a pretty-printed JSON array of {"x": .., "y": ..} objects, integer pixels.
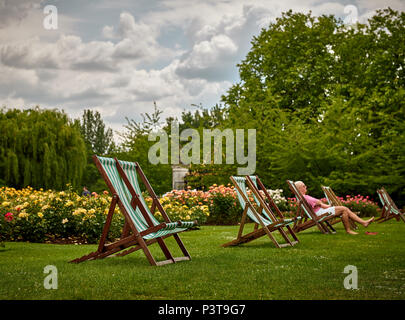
[{"x": 174, "y": 52}]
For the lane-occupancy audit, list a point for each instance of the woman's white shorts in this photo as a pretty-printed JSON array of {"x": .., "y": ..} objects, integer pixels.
[{"x": 322, "y": 211}]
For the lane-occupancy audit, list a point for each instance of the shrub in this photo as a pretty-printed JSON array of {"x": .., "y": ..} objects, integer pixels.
[
  {"x": 38, "y": 215},
  {"x": 183, "y": 205},
  {"x": 363, "y": 206}
]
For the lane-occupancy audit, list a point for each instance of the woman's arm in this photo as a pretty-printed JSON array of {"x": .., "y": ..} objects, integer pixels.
[{"x": 322, "y": 205}]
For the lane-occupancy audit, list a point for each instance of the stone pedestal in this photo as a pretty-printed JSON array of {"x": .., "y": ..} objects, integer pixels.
[{"x": 178, "y": 180}]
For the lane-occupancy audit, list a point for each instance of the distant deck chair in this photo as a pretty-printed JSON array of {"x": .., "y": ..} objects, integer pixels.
[
  {"x": 309, "y": 218},
  {"x": 334, "y": 201},
  {"x": 390, "y": 209},
  {"x": 262, "y": 217},
  {"x": 141, "y": 228}
]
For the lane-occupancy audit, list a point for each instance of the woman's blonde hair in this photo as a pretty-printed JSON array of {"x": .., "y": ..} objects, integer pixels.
[{"x": 299, "y": 184}]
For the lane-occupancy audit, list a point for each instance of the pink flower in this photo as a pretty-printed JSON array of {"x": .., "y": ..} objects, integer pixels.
[{"x": 8, "y": 216}]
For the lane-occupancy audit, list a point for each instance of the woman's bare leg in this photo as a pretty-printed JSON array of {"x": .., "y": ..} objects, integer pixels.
[
  {"x": 339, "y": 210},
  {"x": 346, "y": 222}
]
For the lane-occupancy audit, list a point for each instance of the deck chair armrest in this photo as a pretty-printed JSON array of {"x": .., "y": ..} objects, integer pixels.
[{"x": 154, "y": 229}]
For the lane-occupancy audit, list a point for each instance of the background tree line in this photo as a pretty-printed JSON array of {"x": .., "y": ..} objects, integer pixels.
[{"x": 326, "y": 100}]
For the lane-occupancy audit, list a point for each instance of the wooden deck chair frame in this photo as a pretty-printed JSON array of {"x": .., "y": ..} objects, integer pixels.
[
  {"x": 309, "y": 218},
  {"x": 266, "y": 229},
  {"x": 271, "y": 209},
  {"x": 334, "y": 201},
  {"x": 390, "y": 209},
  {"x": 131, "y": 236}
]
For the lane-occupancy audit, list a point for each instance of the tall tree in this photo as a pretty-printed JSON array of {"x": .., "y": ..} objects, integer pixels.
[
  {"x": 327, "y": 101},
  {"x": 40, "y": 148},
  {"x": 97, "y": 136}
]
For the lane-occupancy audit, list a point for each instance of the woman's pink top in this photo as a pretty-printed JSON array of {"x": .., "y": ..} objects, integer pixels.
[{"x": 312, "y": 202}]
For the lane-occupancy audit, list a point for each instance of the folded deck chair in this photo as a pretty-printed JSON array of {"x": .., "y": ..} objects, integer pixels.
[
  {"x": 262, "y": 217},
  {"x": 141, "y": 228},
  {"x": 334, "y": 201},
  {"x": 308, "y": 215},
  {"x": 390, "y": 209}
]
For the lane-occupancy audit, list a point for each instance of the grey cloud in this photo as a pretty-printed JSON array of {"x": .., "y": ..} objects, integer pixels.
[{"x": 13, "y": 11}]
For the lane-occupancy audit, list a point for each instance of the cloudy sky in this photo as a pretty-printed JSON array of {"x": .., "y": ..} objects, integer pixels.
[{"x": 118, "y": 57}]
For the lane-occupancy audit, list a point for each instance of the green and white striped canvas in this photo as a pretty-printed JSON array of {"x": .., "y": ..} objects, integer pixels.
[
  {"x": 109, "y": 166},
  {"x": 241, "y": 181}
]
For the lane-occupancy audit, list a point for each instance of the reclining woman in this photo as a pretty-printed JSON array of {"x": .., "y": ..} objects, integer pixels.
[{"x": 321, "y": 208}]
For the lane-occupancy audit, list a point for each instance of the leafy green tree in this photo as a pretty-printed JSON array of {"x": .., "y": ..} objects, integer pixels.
[
  {"x": 99, "y": 138},
  {"x": 40, "y": 148},
  {"x": 327, "y": 101},
  {"x": 135, "y": 147}
]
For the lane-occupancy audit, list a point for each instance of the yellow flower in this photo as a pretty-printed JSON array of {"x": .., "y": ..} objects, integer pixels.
[
  {"x": 23, "y": 214},
  {"x": 79, "y": 211},
  {"x": 69, "y": 203},
  {"x": 64, "y": 221},
  {"x": 5, "y": 204},
  {"x": 40, "y": 214}
]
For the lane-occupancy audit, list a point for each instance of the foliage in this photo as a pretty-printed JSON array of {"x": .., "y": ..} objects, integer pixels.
[
  {"x": 99, "y": 140},
  {"x": 97, "y": 137},
  {"x": 327, "y": 101},
  {"x": 41, "y": 148},
  {"x": 135, "y": 147}
]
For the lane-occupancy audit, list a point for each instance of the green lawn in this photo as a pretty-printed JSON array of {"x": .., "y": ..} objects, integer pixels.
[{"x": 313, "y": 269}]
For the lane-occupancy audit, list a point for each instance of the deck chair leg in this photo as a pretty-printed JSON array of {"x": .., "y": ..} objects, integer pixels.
[
  {"x": 165, "y": 249},
  {"x": 107, "y": 224},
  {"x": 285, "y": 236},
  {"x": 242, "y": 223},
  {"x": 271, "y": 237},
  {"x": 292, "y": 233},
  {"x": 181, "y": 245},
  {"x": 126, "y": 230},
  {"x": 146, "y": 250},
  {"x": 322, "y": 227},
  {"x": 330, "y": 227}
]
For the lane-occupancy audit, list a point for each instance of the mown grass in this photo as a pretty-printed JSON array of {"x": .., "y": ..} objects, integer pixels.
[{"x": 311, "y": 270}]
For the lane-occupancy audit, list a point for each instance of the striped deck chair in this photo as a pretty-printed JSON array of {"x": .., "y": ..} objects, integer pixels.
[
  {"x": 390, "y": 209},
  {"x": 141, "y": 228},
  {"x": 271, "y": 210},
  {"x": 309, "y": 217},
  {"x": 334, "y": 201},
  {"x": 262, "y": 217}
]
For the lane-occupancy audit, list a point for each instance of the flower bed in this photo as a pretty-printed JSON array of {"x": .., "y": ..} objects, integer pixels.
[{"x": 39, "y": 216}]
